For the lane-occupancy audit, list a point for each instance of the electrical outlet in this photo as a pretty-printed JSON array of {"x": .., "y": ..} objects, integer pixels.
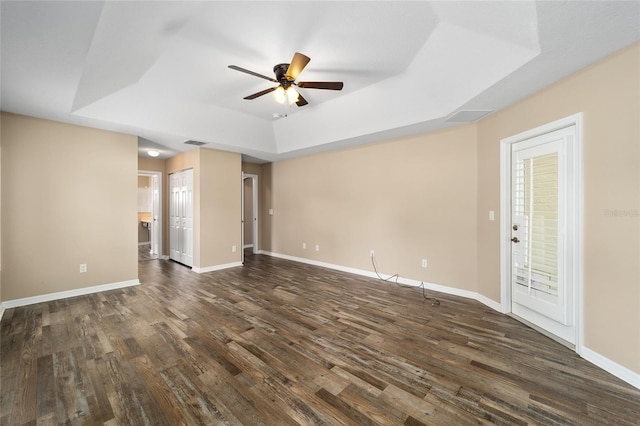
[
  {"x": 424, "y": 263},
  {"x": 372, "y": 254},
  {"x": 234, "y": 249},
  {"x": 317, "y": 247},
  {"x": 304, "y": 245},
  {"x": 83, "y": 268}
]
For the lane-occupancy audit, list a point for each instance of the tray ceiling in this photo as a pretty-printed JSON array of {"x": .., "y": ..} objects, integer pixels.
[{"x": 158, "y": 70}]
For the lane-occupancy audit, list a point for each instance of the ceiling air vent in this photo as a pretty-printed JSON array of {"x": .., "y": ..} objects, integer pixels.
[
  {"x": 468, "y": 115},
  {"x": 196, "y": 143}
]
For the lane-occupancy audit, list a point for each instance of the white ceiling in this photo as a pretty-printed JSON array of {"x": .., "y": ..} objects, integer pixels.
[{"x": 159, "y": 70}]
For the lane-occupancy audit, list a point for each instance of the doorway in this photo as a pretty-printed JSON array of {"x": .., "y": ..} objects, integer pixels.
[
  {"x": 250, "y": 213},
  {"x": 541, "y": 229},
  {"x": 150, "y": 211}
]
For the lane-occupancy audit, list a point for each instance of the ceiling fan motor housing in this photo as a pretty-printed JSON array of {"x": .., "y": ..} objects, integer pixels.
[{"x": 280, "y": 71}]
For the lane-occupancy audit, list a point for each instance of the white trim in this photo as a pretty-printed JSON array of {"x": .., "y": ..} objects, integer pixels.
[
  {"x": 215, "y": 267},
  {"x": 577, "y": 225},
  {"x": 246, "y": 246},
  {"x": 505, "y": 226},
  {"x": 612, "y": 367},
  {"x": 255, "y": 191},
  {"x": 496, "y": 306},
  {"x": 405, "y": 281},
  {"x": 1, "y": 311},
  {"x": 68, "y": 293}
]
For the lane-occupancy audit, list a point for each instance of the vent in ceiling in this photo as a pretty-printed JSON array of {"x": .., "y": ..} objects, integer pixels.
[
  {"x": 468, "y": 115},
  {"x": 196, "y": 143}
]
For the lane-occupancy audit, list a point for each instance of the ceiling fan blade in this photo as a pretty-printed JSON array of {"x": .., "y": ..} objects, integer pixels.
[
  {"x": 301, "y": 101},
  {"x": 264, "y": 92},
  {"x": 246, "y": 71},
  {"x": 296, "y": 66},
  {"x": 327, "y": 85}
]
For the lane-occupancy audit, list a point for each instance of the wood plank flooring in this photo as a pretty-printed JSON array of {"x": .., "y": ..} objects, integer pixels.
[{"x": 280, "y": 343}]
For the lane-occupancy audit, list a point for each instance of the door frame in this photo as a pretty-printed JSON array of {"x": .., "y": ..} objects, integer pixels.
[
  {"x": 254, "y": 200},
  {"x": 157, "y": 228},
  {"x": 575, "y": 237}
]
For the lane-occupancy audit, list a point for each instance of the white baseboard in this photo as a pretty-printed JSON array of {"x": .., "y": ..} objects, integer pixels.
[
  {"x": 496, "y": 306},
  {"x": 246, "y": 246},
  {"x": 66, "y": 294},
  {"x": 610, "y": 366},
  {"x": 606, "y": 364},
  {"x": 215, "y": 267},
  {"x": 1, "y": 311},
  {"x": 405, "y": 281}
]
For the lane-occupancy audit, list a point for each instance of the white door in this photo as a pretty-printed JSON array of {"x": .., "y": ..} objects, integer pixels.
[
  {"x": 187, "y": 218},
  {"x": 542, "y": 281},
  {"x": 175, "y": 233},
  {"x": 181, "y": 217}
]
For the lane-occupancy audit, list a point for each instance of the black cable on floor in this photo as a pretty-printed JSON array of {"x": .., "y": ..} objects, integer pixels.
[{"x": 435, "y": 302}]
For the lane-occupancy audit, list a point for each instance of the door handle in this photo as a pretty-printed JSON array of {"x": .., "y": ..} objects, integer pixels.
[{"x": 515, "y": 240}]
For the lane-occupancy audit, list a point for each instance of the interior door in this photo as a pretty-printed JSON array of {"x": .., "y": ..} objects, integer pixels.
[
  {"x": 175, "y": 233},
  {"x": 186, "y": 219},
  {"x": 542, "y": 289},
  {"x": 181, "y": 217}
]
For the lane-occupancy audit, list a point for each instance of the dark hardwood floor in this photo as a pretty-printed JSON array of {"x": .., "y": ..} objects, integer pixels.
[
  {"x": 144, "y": 252},
  {"x": 276, "y": 343}
]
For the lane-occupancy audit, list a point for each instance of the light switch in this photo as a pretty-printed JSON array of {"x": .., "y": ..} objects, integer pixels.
[{"x": 492, "y": 215}]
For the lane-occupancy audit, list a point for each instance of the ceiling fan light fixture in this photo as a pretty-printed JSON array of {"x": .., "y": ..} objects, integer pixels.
[
  {"x": 279, "y": 95},
  {"x": 292, "y": 95}
]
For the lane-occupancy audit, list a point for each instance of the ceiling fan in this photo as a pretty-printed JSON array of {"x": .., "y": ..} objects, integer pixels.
[{"x": 286, "y": 75}]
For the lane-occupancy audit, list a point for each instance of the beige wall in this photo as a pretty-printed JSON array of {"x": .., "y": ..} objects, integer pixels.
[
  {"x": 220, "y": 203},
  {"x": 265, "y": 203},
  {"x": 69, "y": 197},
  {"x": 217, "y": 204},
  {"x": 608, "y": 93},
  {"x": 407, "y": 199}
]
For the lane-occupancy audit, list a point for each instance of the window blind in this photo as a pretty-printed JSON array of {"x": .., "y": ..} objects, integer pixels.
[{"x": 535, "y": 199}]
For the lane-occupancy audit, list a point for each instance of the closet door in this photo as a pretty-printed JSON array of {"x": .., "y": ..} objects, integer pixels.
[
  {"x": 181, "y": 217},
  {"x": 186, "y": 219}
]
